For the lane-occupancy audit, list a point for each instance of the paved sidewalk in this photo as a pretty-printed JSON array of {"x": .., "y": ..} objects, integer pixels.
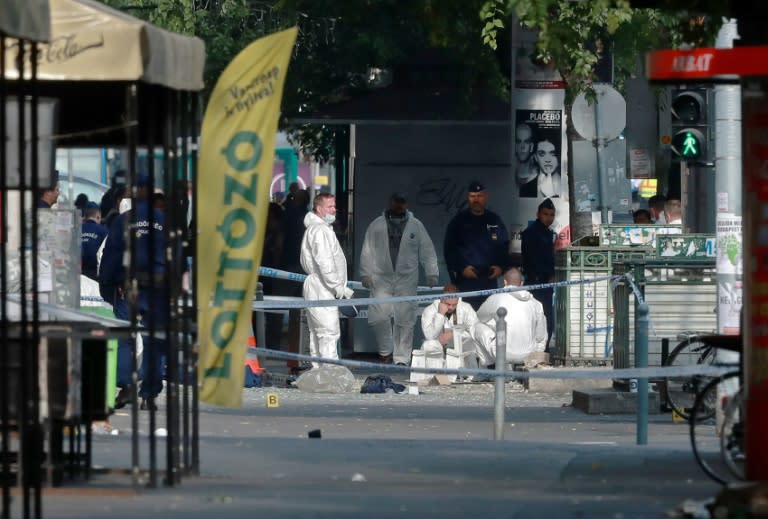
[{"x": 394, "y": 455}]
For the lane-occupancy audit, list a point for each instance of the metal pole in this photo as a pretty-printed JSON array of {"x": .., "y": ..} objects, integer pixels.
[
  {"x": 641, "y": 361},
  {"x": 729, "y": 213},
  {"x": 599, "y": 145},
  {"x": 621, "y": 294},
  {"x": 501, "y": 366},
  {"x": 261, "y": 340},
  {"x": 132, "y": 114}
]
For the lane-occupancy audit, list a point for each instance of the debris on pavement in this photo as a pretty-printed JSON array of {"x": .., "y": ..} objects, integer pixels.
[
  {"x": 326, "y": 379},
  {"x": 691, "y": 509}
]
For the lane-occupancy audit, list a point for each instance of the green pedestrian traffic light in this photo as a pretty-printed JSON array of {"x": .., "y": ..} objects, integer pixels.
[
  {"x": 689, "y": 144},
  {"x": 690, "y": 125}
]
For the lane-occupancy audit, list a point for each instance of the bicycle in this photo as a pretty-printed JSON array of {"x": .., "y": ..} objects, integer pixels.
[
  {"x": 681, "y": 390},
  {"x": 719, "y": 449}
]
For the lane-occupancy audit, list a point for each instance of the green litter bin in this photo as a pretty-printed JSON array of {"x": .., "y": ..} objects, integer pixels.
[{"x": 111, "y": 355}]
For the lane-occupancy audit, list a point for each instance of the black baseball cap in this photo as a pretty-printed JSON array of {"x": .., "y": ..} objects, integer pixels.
[
  {"x": 399, "y": 196},
  {"x": 475, "y": 187}
]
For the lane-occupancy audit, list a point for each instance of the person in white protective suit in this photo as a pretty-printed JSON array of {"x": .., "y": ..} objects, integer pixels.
[
  {"x": 439, "y": 321},
  {"x": 526, "y": 324},
  {"x": 395, "y": 244},
  {"x": 326, "y": 267}
]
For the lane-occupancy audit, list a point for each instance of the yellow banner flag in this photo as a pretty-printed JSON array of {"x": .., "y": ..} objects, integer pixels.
[{"x": 236, "y": 156}]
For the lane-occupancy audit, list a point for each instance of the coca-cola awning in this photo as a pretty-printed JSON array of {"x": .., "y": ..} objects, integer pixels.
[{"x": 92, "y": 42}]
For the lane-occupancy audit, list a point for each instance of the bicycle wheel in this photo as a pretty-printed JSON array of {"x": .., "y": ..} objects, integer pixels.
[
  {"x": 732, "y": 435},
  {"x": 682, "y": 389},
  {"x": 706, "y": 436}
]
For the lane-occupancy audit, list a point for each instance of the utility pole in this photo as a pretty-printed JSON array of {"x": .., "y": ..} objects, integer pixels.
[{"x": 728, "y": 216}]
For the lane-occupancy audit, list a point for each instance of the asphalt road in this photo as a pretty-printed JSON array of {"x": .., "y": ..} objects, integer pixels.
[{"x": 389, "y": 455}]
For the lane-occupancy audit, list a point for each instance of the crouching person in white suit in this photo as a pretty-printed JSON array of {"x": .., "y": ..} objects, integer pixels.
[
  {"x": 526, "y": 324},
  {"x": 448, "y": 325}
]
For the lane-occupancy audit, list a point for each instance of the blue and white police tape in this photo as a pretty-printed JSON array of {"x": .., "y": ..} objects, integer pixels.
[
  {"x": 584, "y": 374},
  {"x": 635, "y": 289},
  {"x": 639, "y": 296},
  {"x": 365, "y": 301},
  {"x": 270, "y": 272}
]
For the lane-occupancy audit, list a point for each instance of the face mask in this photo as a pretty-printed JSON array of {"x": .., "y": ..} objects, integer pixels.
[{"x": 329, "y": 218}]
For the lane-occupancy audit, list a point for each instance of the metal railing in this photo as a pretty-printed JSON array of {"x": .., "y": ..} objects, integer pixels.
[{"x": 681, "y": 296}]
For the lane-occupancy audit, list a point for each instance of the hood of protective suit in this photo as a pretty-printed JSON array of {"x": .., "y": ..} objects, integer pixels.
[
  {"x": 521, "y": 295},
  {"x": 311, "y": 218},
  {"x": 408, "y": 214}
]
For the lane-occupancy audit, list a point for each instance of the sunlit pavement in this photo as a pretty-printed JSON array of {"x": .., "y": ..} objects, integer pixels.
[{"x": 388, "y": 455}]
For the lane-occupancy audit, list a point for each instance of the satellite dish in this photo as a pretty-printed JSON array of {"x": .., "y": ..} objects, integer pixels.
[{"x": 610, "y": 108}]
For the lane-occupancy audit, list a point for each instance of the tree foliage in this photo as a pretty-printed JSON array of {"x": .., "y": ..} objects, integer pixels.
[
  {"x": 575, "y": 35},
  {"x": 226, "y": 26},
  {"x": 375, "y": 34},
  {"x": 339, "y": 41}
]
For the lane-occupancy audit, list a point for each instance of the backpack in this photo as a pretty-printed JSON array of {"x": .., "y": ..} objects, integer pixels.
[{"x": 380, "y": 384}]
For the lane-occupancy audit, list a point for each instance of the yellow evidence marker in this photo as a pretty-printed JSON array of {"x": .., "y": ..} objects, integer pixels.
[
  {"x": 273, "y": 400},
  {"x": 677, "y": 417}
]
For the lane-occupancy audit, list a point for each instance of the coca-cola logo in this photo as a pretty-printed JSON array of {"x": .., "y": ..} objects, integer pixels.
[
  {"x": 61, "y": 49},
  {"x": 67, "y": 47}
]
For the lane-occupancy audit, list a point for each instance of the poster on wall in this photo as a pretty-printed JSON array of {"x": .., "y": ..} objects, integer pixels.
[
  {"x": 729, "y": 244},
  {"x": 538, "y": 162},
  {"x": 538, "y": 139}
]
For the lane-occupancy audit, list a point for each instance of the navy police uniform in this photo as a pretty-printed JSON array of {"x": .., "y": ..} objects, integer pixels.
[
  {"x": 150, "y": 268},
  {"x": 478, "y": 240},
  {"x": 538, "y": 251},
  {"x": 91, "y": 236}
]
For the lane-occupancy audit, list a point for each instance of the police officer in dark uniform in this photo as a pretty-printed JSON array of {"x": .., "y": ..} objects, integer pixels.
[
  {"x": 476, "y": 246},
  {"x": 538, "y": 250},
  {"x": 146, "y": 224},
  {"x": 92, "y": 233}
]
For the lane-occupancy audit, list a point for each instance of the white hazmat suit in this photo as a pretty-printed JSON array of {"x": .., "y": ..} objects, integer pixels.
[
  {"x": 433, "y": 324},
  {"x": 526, "y": 326},
  {"x": 326, "y": 268},
  {"x": 392, "y": 325}
]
